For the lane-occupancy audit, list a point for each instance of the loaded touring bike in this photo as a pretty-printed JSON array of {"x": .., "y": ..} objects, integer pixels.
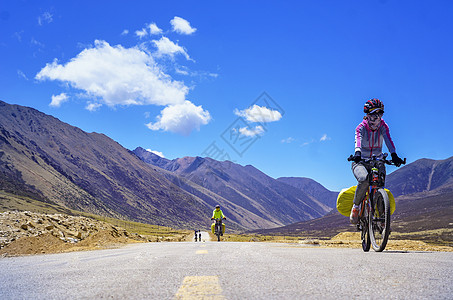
[
  {"x": 218, "y": 229},
  {"x": 374, "y": 212}
]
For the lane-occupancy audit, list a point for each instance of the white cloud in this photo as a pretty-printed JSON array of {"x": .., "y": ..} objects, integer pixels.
[
  {"x": 156, "y": 152},
  {"x": 46, "y": 17},
  {"x": 153, "y": 29},
  {"x": 22, "y": 74},
  {"x": 35, "y": 42},
  {"x": 288, "y": 140},
  {"x": 201, "y": 75},
  {"x": 167, "y": 47},
  {"x": 181, "y": 70},
  {"x": 182, "y": 26},
  {"x": 125, "y": 32},
  {"x": 58, "y": 100},
  {"x": 251, "y": 132},
  {"x": 18, "y": 35},
  {"x": 117, "y": 76},
  {"x": 181, "y": 118},
  {"x": 141, "y": 33},
  {"x": 259, "y": 114},
  {"x": 324, "y": 138},
  {"x": 93, "y": 106},
  {"x": 307, "y": 143}
]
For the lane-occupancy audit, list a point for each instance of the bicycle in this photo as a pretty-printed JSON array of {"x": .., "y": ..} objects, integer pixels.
[
  {"x": 218, "y": 228},
  {"x": 374, "y": 213}
]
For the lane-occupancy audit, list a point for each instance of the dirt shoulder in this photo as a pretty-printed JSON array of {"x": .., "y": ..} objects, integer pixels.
[
  {"x": 23, "y": 233},
  {"x": 396, "y": 242},
  {"x": 27, "y": 233},
  {"x": 352, "y": 240}
]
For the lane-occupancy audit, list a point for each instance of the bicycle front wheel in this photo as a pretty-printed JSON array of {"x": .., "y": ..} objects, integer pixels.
[{"x": 379, "y": 220}]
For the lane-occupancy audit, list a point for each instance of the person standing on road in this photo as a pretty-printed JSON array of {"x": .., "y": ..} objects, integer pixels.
[{"x": 369, "y": 136}]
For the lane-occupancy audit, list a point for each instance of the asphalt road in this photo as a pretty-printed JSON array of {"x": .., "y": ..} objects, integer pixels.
[{"x": 190, "y": 270}]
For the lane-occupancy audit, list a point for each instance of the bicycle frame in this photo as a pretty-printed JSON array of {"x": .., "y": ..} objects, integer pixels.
[{"x": 376, "y": 181}]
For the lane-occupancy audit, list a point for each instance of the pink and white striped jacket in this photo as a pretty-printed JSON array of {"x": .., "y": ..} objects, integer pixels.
[{"x": 369, "y": 142}]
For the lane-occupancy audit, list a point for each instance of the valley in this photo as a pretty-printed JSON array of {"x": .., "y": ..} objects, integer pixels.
[{"x": 47, "y": 166}]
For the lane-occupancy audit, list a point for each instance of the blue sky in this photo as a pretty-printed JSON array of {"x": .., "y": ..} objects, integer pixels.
[{"x": 279, "y": 85}]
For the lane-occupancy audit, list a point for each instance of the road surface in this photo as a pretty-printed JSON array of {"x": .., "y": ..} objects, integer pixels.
[{"x": 209, "y": 270}]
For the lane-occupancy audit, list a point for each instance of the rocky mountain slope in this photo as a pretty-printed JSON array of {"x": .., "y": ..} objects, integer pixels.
[
  {"x": 26, "y": 232},
  {"x": 312, "y": 188},
  {"x": 46, "y": 159},
  {"x": 68, "y": 229},
  {"x": 422, "y": 176},
  {"x": 270, "y": 202}
]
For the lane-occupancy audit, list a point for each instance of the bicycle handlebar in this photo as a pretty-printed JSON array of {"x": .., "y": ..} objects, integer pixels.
[{"x": 375, "y": 158}]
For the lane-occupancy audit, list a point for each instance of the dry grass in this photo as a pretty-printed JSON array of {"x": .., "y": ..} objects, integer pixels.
[
  {"x": 397, "y": 241},
  {"x": 148, "y": 232},
  {"x": 439, "y": 240},
  {"x": 10, "y": 202},
  {"x": 152, "y": 232}
]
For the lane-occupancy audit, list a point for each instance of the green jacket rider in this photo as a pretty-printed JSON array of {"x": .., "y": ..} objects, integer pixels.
[{"x": 217, "y": 213}]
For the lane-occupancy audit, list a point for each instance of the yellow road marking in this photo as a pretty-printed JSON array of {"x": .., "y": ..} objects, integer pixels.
[
  {"x": 200, "y": 287},
  {"x": 202, "y": 252}
]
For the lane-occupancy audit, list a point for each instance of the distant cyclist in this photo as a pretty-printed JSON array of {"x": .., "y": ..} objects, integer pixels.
[
  {"x": 369, "y": 136},
  {"x": 217, "y": 213}
]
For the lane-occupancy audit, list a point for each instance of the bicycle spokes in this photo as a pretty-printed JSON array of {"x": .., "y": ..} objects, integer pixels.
[{"x": 379, "y": 221}]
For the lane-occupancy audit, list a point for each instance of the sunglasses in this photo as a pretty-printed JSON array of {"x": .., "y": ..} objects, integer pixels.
[{"x": 375, "y": 116}]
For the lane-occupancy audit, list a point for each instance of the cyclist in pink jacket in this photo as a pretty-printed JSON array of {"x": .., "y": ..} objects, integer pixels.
[{"x": 369, "y": 137}]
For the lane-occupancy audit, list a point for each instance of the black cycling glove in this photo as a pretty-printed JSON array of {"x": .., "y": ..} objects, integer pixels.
[
  {"x": 357, "y": 156},
  {"x": 396, "y": 160}
]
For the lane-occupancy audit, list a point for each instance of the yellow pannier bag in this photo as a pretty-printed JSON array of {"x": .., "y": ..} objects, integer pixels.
[
  {"x": 345, "y": 201},
  {"x": 223, "y": 227}
]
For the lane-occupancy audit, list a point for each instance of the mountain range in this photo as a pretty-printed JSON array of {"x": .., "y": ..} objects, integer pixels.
[
  {"x": 46, "y": 159},
  {"x": 239, "y": 189},
  {"x": 51, "y": 161}
]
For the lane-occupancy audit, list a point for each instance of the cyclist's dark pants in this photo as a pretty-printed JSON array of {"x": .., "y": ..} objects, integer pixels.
[{"x": 361, "y": 171}]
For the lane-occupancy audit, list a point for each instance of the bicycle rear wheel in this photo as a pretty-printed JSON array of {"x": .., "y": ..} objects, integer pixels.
[
  {"x": 379, "y": 220},
  {"x": 217, "y": 231}
]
